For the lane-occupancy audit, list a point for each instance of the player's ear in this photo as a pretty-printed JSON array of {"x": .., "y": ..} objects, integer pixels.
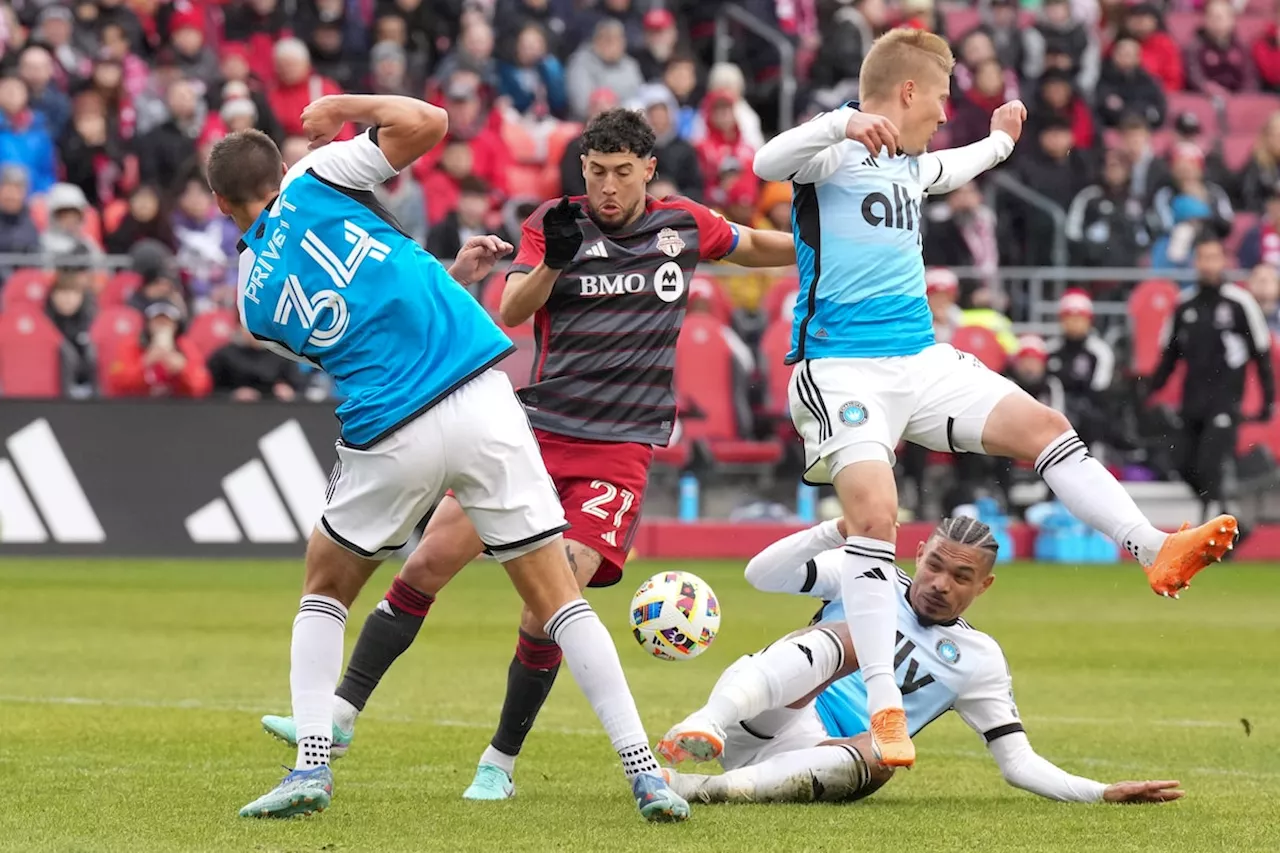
[
  {"x": 223, "y": 204},
  {"x": 987, "y": 582},
  {"x": 650, "y": 169},
  {"x": 920, "y": 550},
  {"x": 583, "y": 158}
]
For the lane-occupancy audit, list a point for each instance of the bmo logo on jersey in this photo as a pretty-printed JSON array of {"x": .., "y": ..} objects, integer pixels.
[
  {"x": 610, "y": 285},
  {"x": 900, "y": 211}
]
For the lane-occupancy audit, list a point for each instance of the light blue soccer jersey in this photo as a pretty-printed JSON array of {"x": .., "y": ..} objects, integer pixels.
[
  {"x": 856, "y": 222},
  {"x": 328, "y": 276},
  {"x": 939, "y": 668}
]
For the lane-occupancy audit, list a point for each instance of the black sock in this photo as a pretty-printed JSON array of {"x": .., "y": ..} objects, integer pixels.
[
  {"x": 387, "y": 634},
  {"x": 529, "y": 679}
]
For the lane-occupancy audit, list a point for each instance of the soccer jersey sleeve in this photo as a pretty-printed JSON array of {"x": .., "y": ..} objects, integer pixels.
[
  {"x": 532, "y": 243},
  {"x": 986, "y": 702},
  {"x": 357, "y": 164},
  {"x": 717, "y": 236},
  {"x": 804, "y": 563},
  {"x": 944, "y": 171}
]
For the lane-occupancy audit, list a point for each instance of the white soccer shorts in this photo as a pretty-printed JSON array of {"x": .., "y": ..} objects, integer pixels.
[
  {"x": 477, "y": 442},
  {"x": 857, "y": 409}
]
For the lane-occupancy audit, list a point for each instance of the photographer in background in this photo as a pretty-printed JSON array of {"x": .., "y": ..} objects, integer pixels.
[{"x": 162, "y": 362}]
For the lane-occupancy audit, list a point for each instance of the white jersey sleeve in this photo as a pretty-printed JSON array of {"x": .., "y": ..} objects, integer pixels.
[
  {"x": 357, "y": 164},
  {"x": 944, "y": 171},
  {"x": 804, "y": 563},
  {"x": 986, "y": 701},
  {"x": 807, "y": 154}
]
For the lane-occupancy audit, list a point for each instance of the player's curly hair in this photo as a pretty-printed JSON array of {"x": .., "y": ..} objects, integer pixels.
[
  {"x": 617, "y": 130},
  {"x": 964, "y": 530}
]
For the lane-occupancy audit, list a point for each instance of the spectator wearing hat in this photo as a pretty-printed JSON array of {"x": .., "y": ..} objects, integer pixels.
[
  {"x": 972, "y": 108},
  {"x": 1147, "y": 171},
  {"x": 475, "y": 126},
  {"x": 1106, "y": 226},
  {"x": 960, "y": 231},
  {"x": 1187, "y": 128},
  {"x": 677, "y": 159},
  {"x": 1056, "y": 95},
  {"x": 1261, "y": 243},
  {"x": 1125, "y": 86},
  {"x": 155, "y": 264},
  {"x": 162, "y": 362},
  {"x": 25, "y": 139},
  {"x": 1217, "y": 61},
  {"x": 18, "y": 233},
  {"x": 389, "y": 70},
  {"x": 724, "y": 144},
  {"x": 1186, "y": 210},
  {"x": 602, "y": 63},
  {"x": 1058, "y": 172},
  {"x": 145, "y": 220},
  {"x": 1264, "y": 284},
  {"x": 1029, "y": 368},
  {"x": 166, "y": 150},
  {"x": 1057, "y": 30},
  {"x": 237, "y": 80},
  {"x": 71, "y": 308},
  {"x": 35, "y": 67},
  {"x": 65, "y": 233},
  {"x": 334, "y": 53},
  {"x": 296, "y": 86},
  {"x": 195, "y": 59},
  {"x": 245, "y": 371},
  {"x": 1083, "y": 363},
  {"x": 1262, "y": 173},
  {"x": 661, "y": 38},
  {"x": 534, "y": 81},
  {"x": 1160, "y": 54},
  {"x": 725, "y": 77}
]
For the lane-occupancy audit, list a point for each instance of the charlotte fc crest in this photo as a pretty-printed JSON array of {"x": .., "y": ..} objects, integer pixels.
[{"x": 669, "y": 243}]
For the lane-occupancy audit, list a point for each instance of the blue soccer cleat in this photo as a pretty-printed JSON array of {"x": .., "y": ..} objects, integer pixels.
[
  {"x": 301, "y": 793},
  {"x": 656, "y": 801},
  {"x": 491, "y": 783},
  {"x": 285, "y": 729}
]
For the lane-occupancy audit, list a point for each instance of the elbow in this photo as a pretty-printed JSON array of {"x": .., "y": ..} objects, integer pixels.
[
  {"x": 435, "y": 124},
  {"x": 512, "y": 315},
  {"x": 766, "y": 169},
  {"x": 754, "y": 575}
]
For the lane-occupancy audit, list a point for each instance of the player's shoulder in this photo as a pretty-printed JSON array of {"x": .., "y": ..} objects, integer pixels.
[
  {"x": 982, "y": 647},
  {"x": 677, "y": 203}
]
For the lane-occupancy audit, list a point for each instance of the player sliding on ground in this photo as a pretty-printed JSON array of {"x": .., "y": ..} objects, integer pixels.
[
  {"x": 869, "y": 374},
  {"x": 328, "y": 276},
  {"x": 605, "y": 278},
  {"x": 789, "y": 724}
]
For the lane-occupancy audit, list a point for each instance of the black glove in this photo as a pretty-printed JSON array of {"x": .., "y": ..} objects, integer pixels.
[{"x": 561, "y": 233}]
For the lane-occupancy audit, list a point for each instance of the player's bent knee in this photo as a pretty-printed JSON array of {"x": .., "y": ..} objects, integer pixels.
[{"x": 335, "y": 572}]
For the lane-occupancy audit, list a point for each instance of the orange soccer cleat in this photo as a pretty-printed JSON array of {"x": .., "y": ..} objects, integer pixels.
[
  {"x": 889, "y": 736},
  {"x": 1188, "y": 551}
]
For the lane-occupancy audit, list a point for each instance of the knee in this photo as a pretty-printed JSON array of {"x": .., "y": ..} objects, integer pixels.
[
  {"x": 530, "y": 625},
  {"x": 1049, "y": 424},
  {"x": 426, "y": 570},
  {"x": 874, "y": 520}
]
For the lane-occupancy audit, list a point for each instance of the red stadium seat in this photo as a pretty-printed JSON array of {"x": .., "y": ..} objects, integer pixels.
[
  {"x": 524, "y": 180},
  {"x": 210, "y": 331},
  {"x": 119, "y": 288},
  {"x": 1182, "y": 26},
  {"x": 705, "y": 389},
  {"x": 959, "y": 20},
  {"x": 521, "y": 144},
  {"x": 30, "y": 365},
  {"x": 675, "y": 455},
  {"x": 1253, "y": 434},
  {"x": 1192, "y": 102},
  {"x": 1237, "y": 148},
  {"x": 774, "y": 346},
  {"x": 983, "y": 343},
  {"x": 1150, "y": 307},
  {"x": 779, "y": 300},
  {"x": 565, "y": 134},
  {"x": 113, "y": 214},
  {"x": 1247, "y": 112},
  {"x": 110, "y": 328},
  {"x": 26, "y": 287}
]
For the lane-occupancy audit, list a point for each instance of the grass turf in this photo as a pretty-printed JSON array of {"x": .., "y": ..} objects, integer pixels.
[{"x": 131, "y": 694}]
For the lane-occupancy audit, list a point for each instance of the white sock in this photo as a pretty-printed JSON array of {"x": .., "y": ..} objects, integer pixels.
[
  {"x": 315, "y": 664},
  {"x": 344, "y": 714},
  {"x": 1092, "y": 495},
  {"x": 783, "y": 673},
  {"x": 498, "y": 758},
  {"x": 593, "y": 660},
  {"x": 869, "y": 590},
  {"x": 828, "y": 773}
]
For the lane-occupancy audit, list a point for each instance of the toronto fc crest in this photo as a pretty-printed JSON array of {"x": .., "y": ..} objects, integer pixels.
[{"x": 669, "y": 243}]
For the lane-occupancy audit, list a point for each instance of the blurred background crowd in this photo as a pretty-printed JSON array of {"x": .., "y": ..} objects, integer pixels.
[{"x": 1150, "y": 126}]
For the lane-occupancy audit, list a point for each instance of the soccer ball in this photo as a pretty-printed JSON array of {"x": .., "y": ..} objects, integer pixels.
[{"x": 675, "y": 615}]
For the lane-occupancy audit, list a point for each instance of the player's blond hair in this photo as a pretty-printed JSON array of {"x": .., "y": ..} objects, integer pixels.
[{"x": 900, "y": 55}]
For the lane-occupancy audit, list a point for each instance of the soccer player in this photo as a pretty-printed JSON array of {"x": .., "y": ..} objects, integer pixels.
[
  {"x": 868, "y": 372},
  {"x": 791, "y": 721},
  {"x": 606, "y": 278},
  {"x": 328, "y": 276}
]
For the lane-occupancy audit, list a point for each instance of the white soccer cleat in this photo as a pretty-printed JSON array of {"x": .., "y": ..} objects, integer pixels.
[{"x": 697, "y": 738}]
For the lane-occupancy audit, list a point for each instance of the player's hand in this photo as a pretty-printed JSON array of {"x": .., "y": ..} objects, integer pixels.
[
  {"x": 562, "y": 234},
  {"x": 477, "y": 257},
  {"x": 1143, "y": 792},
  {"x": 873, "y": 132},
  {"x": 322, "y": 120},
  {"x": 1009, "y": 118}
]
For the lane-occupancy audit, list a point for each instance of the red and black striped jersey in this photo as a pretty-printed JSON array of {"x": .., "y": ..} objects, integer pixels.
[{"x": 606, "y": 338}]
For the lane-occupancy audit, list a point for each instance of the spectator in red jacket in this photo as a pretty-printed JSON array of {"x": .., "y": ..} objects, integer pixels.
[
  {"x": 1057, "y": 96},
  {"x": 162, "y": 362},
  {"x": 296, "y": 86},
  {"x": 1217, "y": 62},
  {"x": 1266, "y": 56},
  {"x": 1161, "y": 56},
  {"x": 971, "y": 110},
  {"x": 724, "y": 142},
  {"x": 478, "y": 127}
]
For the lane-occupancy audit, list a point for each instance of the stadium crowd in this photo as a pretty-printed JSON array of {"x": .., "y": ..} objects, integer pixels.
[{"x": 1148, "y": 125}]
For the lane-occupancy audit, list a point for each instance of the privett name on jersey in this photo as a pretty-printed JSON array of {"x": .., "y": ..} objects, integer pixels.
[{"x": 262, "y": 266}]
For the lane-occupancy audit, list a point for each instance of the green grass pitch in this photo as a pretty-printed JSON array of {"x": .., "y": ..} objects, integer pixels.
[{"x": 131, "y": 694}]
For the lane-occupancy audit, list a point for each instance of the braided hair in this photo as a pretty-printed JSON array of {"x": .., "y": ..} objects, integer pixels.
[{"x": 964, "y": 530}]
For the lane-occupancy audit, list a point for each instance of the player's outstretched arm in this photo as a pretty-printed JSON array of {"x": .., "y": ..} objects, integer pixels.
[
  {"x": 793, "y": 564},
  {"x": 407, "y": 127},
  {"x": 1023, "y": 768},
  {"x": 763, "y": 248},
  {"x": 955, "y": 167},
  {"x": 809, "y": 153}
]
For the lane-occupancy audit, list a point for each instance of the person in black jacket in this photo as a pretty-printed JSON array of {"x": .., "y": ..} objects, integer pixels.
[
  {"x": 1084, "y": 364},
  {"x": 445, "y": 239},
  {"x": 71, "y": 307},
  {"x": 1055, "y": 170},
  {"x": 1125, "y": 86},
  {"x": 245, "y": 371},
  {"x": 1217, "y": 329},
  {"x": 677, "y": 159},
  {"x": 1106, "y": 226}
]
